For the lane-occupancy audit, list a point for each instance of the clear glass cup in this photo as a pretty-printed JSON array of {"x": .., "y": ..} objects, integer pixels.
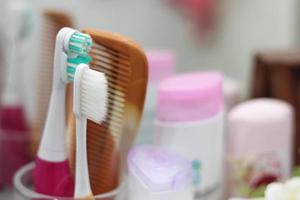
[{"x": 23, "y": 184}]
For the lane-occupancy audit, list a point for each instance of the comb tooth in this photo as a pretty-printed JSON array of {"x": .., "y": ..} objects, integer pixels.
[
  {"x": 114, "y": 113},
  {"x": 115, "y": 132},
  {"x": 114, "y": 68},
  {"x": 119, "y": 101},
  {"x": 116, "y": 75},
  {"x": 112, "y": 92},
  {"x": 110, "y": 51},
  {"x": 117, "y": 124},
  {"x": 123, "y": 66},
  {"x": 114, "y": 120},
  {"x": 112, "y": 65},
  {"x": 121, "y": 95},
  {"x": 117, "y": 56},
  {"x": 121, "y": 84},
  {"x": 113, "y": 125},
  {"x": 118, "y": 96},
  {"x": 113, "y": 75},
  {"x": 118, "y": 107},
  {"x": 116, "y": 84},
  {"x": 111, "y": 79},
  {"x": 103, "y": 56},
  {"x": 98, "y": 142}
]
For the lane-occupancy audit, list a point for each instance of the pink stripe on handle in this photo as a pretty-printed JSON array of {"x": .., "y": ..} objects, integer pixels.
[{"x": 53, "y": 178}]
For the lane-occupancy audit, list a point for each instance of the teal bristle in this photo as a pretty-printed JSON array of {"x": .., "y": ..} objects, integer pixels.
[
  {"x": 79, "y": 46},
  {"x": 73, "y": 62},
  {"x": 80, "y": 43}
]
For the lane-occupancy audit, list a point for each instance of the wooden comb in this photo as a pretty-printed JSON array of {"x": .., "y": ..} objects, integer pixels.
[
  {"x": 125, "y": 66},
  {"x": 52, "y": 22}
]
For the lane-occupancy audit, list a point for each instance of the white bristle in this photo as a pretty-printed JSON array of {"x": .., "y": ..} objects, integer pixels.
[{"x": 93, "y": 95}]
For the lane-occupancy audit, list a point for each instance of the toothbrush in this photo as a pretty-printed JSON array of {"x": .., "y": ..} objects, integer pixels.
[
  {"x": 52, "y": 174},
  {"x": 90, "y": 102},
  {"x": 125, "y": 66},
  {"x": 52, "y": 22}
]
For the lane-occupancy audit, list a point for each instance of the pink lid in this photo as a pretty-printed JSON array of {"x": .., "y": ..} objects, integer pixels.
[
  {"x": 190, "y": 97},
  {"x": 161, "y": 64}
]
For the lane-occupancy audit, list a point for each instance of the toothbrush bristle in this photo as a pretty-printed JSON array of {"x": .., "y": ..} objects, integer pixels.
[
  {"x": 93, "y": 95},
  {"x": 73, "y": 62},
  {"x": 79, "y": 46},
  {"x": 80, "y": 43}
]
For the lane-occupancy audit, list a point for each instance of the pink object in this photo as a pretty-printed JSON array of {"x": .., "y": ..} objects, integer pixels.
[
  {"x": 14, "y": 140},
  {"x": 260, "y": 143},
  {"x": 161, "y": 64},
  {"x": 53, "y": 178},
  {"x": 190, "y": 97},
  {"x": 201, "y": 12},
  {"x": 255, "y": 122}
]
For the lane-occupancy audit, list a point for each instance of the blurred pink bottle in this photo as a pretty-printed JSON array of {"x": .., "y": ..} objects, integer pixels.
[
  {"x": 259, "y": 145},
  {"x": 189, "y": 122},
  {"x": 13, "y": 142},
  {"x": 13, "y": 124},
  {"x": 161, "y": 66}
]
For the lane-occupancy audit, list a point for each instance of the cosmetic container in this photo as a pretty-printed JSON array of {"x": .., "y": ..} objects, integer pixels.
[
  {"x": 155, "y": 174},
  {"x": 232, "y": 93},
  {"x": 161, "y": 64},
  {"x": 259, "y": 150},
  {"x": 189, "y": 122}
]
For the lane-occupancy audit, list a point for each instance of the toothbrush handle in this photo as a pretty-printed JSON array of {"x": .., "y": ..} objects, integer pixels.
[
  {"x": 53, "y": 179},
  {"x": 53, "y": 144},
  {"x": 82, "y": 180}
]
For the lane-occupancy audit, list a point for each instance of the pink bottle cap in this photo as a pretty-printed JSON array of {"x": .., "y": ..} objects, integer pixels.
[
  {"x": 161, "y": 64},
  {"x": 190, "y": 97},
  {"x": 158, "y": 169},
  {"x": 263, "y": 123}
]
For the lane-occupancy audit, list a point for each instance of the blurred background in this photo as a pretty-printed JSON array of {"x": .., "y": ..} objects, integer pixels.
[
  {"x": 242, "y": 28},
  {"x": 238, "y": 38}
]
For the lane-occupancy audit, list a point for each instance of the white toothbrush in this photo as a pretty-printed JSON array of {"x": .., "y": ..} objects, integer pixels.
[
  {"x": 52, "y": 174},
  {"x": 90, "y": 102}
]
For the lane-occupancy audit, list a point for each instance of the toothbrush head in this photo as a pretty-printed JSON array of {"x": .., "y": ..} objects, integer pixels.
[
  {"x": 78, "y": 46},
  {"x": 91, "y": 94},
  {"x": 73, "y": 62},
  {"x": 80, "y": 43}
]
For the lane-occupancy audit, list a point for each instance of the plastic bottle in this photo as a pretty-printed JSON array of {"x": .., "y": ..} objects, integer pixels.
[
  {"x": 259, "y": 145},
  {"x": 155, "y": 174},
  {"x": 190, "y": 123},
  {"x": 161, "y": 65}
]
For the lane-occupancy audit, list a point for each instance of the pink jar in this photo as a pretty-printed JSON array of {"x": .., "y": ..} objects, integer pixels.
[
  {"x": 259, "y": 145},
  {"x": 189, "y": 121}
]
